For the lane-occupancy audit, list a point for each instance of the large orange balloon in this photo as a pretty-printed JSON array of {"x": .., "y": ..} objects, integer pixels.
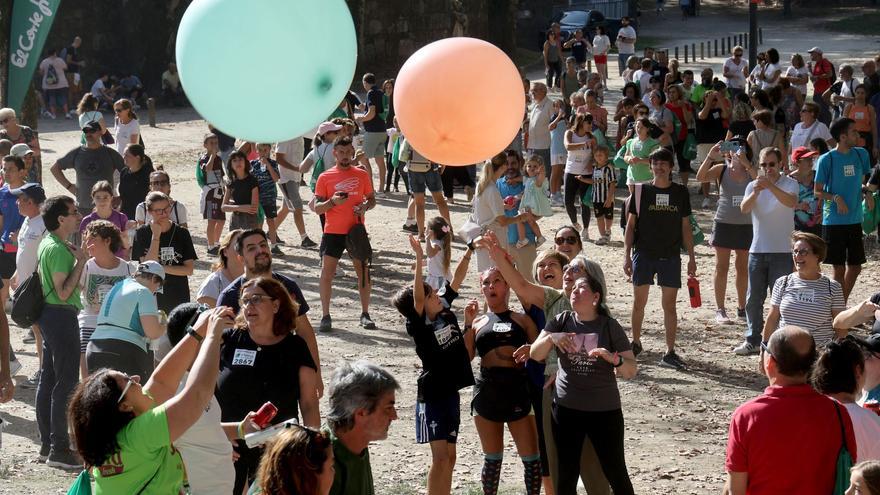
[{"x": 459, "y": 101}]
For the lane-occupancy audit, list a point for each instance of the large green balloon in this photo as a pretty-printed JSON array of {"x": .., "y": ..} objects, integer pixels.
[{"x": 266, "y": 70}]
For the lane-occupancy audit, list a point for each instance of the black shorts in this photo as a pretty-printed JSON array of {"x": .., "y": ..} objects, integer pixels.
[
  {"x": 602, "y": 211},
  {"x": 845, "y": 246},
  {"x": 333, "y": 245},
  {"x": 668, "y": 270},
  {"x": 731, "y": 236},
  {"x": 501, "y": 395},
  {"x": 118, "y": 355},
  {"x": 7, "y": 265},
  {"x": 438, "y": 419},
  {"x": 270, "y": 208}
]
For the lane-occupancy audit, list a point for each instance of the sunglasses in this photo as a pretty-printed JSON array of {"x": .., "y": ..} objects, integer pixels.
[
  {"x": 90, "y": 131},
  {"x": 768, "y": 164},
  {"x": 572, "y": 240},
  {"x": 800, "y": 252},
  {"x": 125, "y": 389},
  {"x": 574, "y": 269},
  {"x": 254, "y": 299},
  {"x": 766, "y": 348}
]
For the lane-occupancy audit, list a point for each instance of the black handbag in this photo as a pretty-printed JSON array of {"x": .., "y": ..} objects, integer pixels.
[{"x": 28, "y": 301}]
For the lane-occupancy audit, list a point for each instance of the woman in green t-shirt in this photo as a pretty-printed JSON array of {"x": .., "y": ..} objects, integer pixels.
[
  {"x": 124, "y": 431},
  {"x": 637, "y": 151}
]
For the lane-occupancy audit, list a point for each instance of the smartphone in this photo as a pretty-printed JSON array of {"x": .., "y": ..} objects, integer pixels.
[
  {"x": 730, "y": 146},
  {"x": 762, "y": 172},
  {"x": 343, "y": 194}
]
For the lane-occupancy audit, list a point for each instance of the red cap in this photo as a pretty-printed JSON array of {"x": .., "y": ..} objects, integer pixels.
[{"x": 802, "y": 152}]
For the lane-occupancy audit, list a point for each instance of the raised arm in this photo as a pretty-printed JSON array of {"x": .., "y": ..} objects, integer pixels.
[{"x": 529, "y": 294}]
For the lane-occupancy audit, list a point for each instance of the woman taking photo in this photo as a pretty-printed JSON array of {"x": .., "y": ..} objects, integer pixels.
[
  {"x": 223, "y": 272},
  {"x": 732, "y": 229},
  {"x": 262, "y": 360},
  {"x": 501, "y": 395},
  {"x": 806, "y": 298},
  {"x": 593, "y": 350},
  {"x": 299, "y": 461},
  {"x": 134, "y": 179},
  {"x": 127, "y": 128},
  {"x": 579, "y": 144},
  {"x": 114, "y": 418},
  {"x": 128, "y": 320}
]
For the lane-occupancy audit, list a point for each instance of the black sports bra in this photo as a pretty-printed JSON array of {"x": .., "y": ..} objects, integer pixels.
[{"x": 499, "y": 331}]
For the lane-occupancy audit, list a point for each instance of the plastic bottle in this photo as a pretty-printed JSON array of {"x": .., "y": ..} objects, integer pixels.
[{"x": 693, "y": 286}]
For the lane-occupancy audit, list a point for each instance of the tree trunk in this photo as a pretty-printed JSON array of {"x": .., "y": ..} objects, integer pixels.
[{"x": 502, "y": 25}]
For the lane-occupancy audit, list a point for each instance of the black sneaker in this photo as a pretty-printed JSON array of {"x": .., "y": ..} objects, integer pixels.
[
  {"x": 636, "y": 347},
  {"x": 279, "y": 241},
  {"x": 367, "y": 322},
  {"x": 671, "y": 360},
  {"x": 31, "y": 384},
  {"x": 277, "y": 250},
  {"x": 44, "y": 452},
  {"x": 326, "y": 324},
  {"x": 66, "y": 459},
  {"x": 308, "y": 243},
  {"x": 411, "y": 228},
  {"x": 29, "y": 338},
  {"x": 214, "y": 251}
]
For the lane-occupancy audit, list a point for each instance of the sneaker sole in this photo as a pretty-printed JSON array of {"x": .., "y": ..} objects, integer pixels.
[
  {"x": 671, "y": 366},
  {"x": 63, "y": 465}
]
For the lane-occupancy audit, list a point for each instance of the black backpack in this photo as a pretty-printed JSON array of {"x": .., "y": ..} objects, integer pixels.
[{"x": 28, "y": 301}]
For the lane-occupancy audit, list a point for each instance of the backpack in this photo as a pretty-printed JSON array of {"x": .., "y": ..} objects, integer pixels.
[
  {"x": 833, "y": 72},
  {"x": 51, "y": 75}
]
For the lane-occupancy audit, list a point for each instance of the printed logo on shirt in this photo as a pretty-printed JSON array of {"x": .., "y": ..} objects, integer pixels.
[
  {"x": 501, "y": 327},
  {"x": 805, "y": 295},
  {"x": 444, "y": 335},
  {"x": 113, "y": 467},
  {"x": 167, "y": 255},
  {"x": 662, "y": 200},
  {"x": 849, "y": 170},
  {"x": 737, "y": 200},
  {"x": 860, "y": 115},
  {"x": 597, "y": 174},
  {"x": 347, "y": 185},
  {"x": 244, "y": 357}
]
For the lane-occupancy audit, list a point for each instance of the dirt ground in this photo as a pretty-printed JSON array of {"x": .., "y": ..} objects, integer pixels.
[{"x": 676, "y": 422}]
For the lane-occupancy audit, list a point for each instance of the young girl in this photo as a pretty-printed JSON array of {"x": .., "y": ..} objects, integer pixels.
[
  {"x": 534, "y": 200},
  {"x": 209, "y": 176},
  {"x": 160, "y": 182},
  {"x": 438, "y": 247},
  {"x": 603, "y": 180},
  {"x": 265, "y": 171},
  {"x": 242, "y": 197},
  {"x": 102, "y": 196}
]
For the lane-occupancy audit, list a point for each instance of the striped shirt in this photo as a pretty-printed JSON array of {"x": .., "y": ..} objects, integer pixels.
[
  {"x": 808, "y": 304},
  {"x": 604, "y": 180}
]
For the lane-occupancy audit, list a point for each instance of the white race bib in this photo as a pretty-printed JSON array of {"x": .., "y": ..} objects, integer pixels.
[
  {"x": 501, "y": 327},
  {"x": 805, "y": 295},
  {"x": 737, "y": 200},
  {"x": 662, "y": 200},
  {"x": 443, "y": 335},
  {"x": 849, "y": 170},
  {"x": 166, "y": 255},
  {"x": 244, "y": 357},
  {"x": 860, "y": 115},
  {"x": 597, "y": 174}
]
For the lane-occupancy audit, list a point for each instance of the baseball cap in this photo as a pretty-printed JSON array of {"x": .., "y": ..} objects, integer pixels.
[
  {"x": 326, "y": 127},
  {"x": 815, "y": 49},
  {"x": 91, "y": 126},
  {"x": 153, "y": 268},
  {"x": 871, "y": 343},
  {"x": 32, "y": 190},
  {"x": 802, "y": 152},
  {"x": 20, "y": 150}
]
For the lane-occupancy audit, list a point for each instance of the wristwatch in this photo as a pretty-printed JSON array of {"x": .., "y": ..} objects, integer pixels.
[{"x": 192, "y": 333}]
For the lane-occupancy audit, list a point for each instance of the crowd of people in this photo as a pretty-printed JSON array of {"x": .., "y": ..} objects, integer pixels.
[{"x": 165, "y": 393}]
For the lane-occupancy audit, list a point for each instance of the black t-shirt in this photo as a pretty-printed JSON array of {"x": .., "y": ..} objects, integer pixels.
[
  {"x": 133, "y": 188},
  {"x": 251, "y": 375},
  {"x": 875, "y": 176},
  {"x": 710, "y": 129},
  {"x": 225, "y": 141},
  {"x": 741, "y": 127},
  {"x": 374, "y": 99},
  {"x": 658, "y": 228},
  {"x": 175, "y": 247},
  {"x": 229, "y": 296},
  {"x": 579, "y": 51},
  {"x": 242, "y": 190},
  {"x": 876, "y": 300},
  {"x": 73, "y": 65},
  {"x": 446, "y": 366}
]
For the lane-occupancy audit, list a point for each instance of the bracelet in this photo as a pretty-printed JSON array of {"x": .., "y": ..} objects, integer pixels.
[
  {"x": 192, "y": 333},
  {"x": 620, "y": 363},
  {"x": 240, "y": 430},
  {"x": 468, "y": 328}
]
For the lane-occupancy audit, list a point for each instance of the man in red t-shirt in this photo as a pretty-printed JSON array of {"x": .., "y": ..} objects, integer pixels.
[
  {"x": 821, "y": 73},
  {"x": 787, "y": 439},
  {"x": 343, "y": 194}
]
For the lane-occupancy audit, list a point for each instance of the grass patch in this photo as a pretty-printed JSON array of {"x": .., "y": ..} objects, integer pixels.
[
  {"x": 525, "y": 57},
  {"x": 864, "y": 23}
]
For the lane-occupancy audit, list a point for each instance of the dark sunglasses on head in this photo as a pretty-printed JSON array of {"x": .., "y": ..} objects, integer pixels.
[
  {"x": 90, "y": 131},
  {"x": 567, "y": 239}
]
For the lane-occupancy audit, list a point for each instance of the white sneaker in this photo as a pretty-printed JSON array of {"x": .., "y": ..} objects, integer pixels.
[
  {"x": 745, "y": 349},
  {"x": 522, "y": 243},
  {"x": 601, "y": 241},
  {"x": 706, "y": 203},
  {"x": 585, "y": 235},
  {"x": 721, "y": 317}
]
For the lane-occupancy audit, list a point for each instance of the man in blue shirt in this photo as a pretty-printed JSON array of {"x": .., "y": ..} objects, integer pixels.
[
  {"x": 512, "y": 185},
  {"x": 839, "y": 178}
]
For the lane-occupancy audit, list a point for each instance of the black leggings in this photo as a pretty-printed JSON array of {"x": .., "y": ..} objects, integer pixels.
[
  {"x": 450, "y": 174},
  {"x": 393, "y": 172},
  {"x": 684, "y": 165},
  {"x": 554, "y": 70},
  {"x": 605, "y": 430},
  {"x": 574, "y": 192}
]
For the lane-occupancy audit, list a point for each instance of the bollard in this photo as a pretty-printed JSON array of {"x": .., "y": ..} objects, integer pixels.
[
  {"x": 747, "y": 40},
  {"x": 702, "y": 51},
  {"x": 694, "y": 51},
  {"x": 151, "y": 111},
  {"x": 729, "y": 46},
  {"x": 676, "y": 53},
  {"x": 760, "y": 36},
  {"x": 685, "y": 54},
  {"x": 716, "y": 47}
]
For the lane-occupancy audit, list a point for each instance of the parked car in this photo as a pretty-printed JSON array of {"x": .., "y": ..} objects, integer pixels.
[{"x": 570, "y": 20}]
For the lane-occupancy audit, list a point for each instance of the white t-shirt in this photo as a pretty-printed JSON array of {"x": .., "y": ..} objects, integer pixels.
[
  {"x": 768, "y": 71},
  {"x": 601, "y": 44},
  {"x": 738, "y": 81},
  {"x": 488, "y": 206},
  {"x": 643, "y": 79},
  {"x": 866, "y": 426},
  {"x": 178, "y": 213},
  {"x": 578, "y": 161},
  {"x": 95, "y": 283},
  {"x": 802, "y": 137},
  {"x": 206, "y": 452},
  {"x": 97, "y": 89},
  {"x": 29, "y": 236},
  {"x": 124, "y": 132},
  {"x": 626, "y": 48},
  {"x": 435, "y": 263},
  {"x": 58, "y": 67},
  {"x": 808, "y": 304},
  {"x": 792, "y": 71},
  {"x": 322, "y": 151},
  {"x": 213, "y": 285},
  {"x": 772, "y": 222},
  {"x": 293, "y": 150},
  {"x": 539, "y": 125}
]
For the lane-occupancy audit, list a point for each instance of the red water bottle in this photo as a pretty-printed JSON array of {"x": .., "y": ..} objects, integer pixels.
[
  {"x": 265, "y": 414},
  {"x": 694, "y": 291}
]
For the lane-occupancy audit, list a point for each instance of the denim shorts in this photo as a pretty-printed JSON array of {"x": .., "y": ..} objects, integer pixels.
[
  {"x": 668, "y": 270},
  {"x": 430, "y": 180}
]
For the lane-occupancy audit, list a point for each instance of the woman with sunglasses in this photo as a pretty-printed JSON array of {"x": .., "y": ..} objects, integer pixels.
[
  {"x": 127, "y": 129},
  {"x": 125, "y": 432},
  {"x": 567, "y": 240},
  {"x": 101, "y": 273},
  {"x": 806, "y": 298},
  {"x": 593, "y": 350},
  {"x": 299, "y": 461},
  {"x": 809, "y": 128},
  {"x": 263, "y": 360},
  {"x": 732, "y": 229},
  {"x": 161, "y": 182},
  {"x": 10, "y": 129}
]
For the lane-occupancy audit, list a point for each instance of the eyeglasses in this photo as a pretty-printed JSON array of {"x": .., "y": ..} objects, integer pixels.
[
  {"x": 768, "y": 164},
  {"x": 165, "y": 210},
  {"x": 4, "y": 121},
  {"x": 574, "y": 269},
  {"x": 159, "y": 182},
  {"x": 125, "y": 389},
  {"x": 800, "y": 252},
  {"x": 255, "y": 299},
  {"x": 766, "y": 348},
  {"x": 72, "y": 213},
  {"x": 572, "y": 240},
  {"x": 119, "y": 110}
]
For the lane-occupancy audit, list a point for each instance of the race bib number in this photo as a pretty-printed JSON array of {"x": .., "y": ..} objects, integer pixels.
[
  {"x": 662, "y": 200},
  {"x": 860, "y": 115},
  {"x": 597, "y": 174},
  {"x": 166, "y": 255},
  {"x": 501, "y": 327},
  {"x": 443, "y": 335},
  {"x": 244, "y": 357},
  {"x": 805, "y": 296},
  {"x": 849, "y": 170},
  {"x": 737, "y": 201}
]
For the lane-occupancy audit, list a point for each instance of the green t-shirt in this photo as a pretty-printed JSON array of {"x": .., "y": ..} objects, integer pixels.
[
  {"x": 146, "y": 459},
  {"x": 55, "y": 257},
  {"x": 640, "y": 172},
  {"x": 353, "y": 473}
]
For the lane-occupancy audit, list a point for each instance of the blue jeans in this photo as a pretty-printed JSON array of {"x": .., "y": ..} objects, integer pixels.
[
  {"x": 764, "y": 269},
  {"x": 59, "y": 373},
  {"x": 621, "y": 62}
]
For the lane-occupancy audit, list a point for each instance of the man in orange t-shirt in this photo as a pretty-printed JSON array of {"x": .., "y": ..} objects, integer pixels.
[{"x": 343, "y": 194}]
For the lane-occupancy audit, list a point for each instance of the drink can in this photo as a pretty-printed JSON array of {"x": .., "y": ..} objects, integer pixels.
[{"x": 265, "y": 414}]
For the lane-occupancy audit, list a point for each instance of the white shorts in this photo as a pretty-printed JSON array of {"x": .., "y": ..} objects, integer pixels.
[{"x": 558, "y": 159}]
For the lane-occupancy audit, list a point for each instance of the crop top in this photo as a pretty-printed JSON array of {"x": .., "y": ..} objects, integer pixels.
[{"x": 499, "y": 331}]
